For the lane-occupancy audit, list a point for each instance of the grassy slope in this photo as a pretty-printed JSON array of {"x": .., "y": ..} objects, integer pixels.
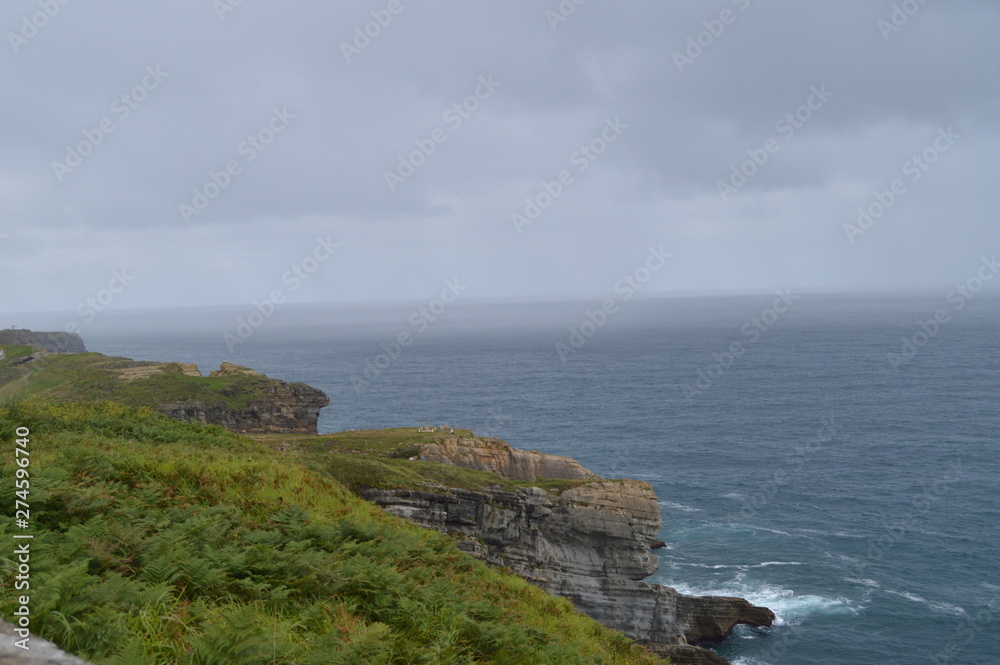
[
  {"x": 15, "y": 352},
  {"x": 379, "y": 459},
  {"x": 163, "y": 542},
  {"x": 80, "y": 377}
]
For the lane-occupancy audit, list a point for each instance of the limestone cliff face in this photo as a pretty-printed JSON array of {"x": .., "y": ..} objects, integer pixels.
[
  {"x": 285, "y": 408},
  {"x": 56, "y": 342},
  {"x": 590, "y": 544},
  {"x": 499, "y": 457}
]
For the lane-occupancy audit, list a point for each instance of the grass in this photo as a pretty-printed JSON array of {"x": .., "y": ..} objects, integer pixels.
[
  {"x": 158, "y": 542},
  {"x": 14, "y": 352},
  {"x": 379, "y": 459},
  {"x": 392, "y": 442},
  {"x": 85, "y": 377}
]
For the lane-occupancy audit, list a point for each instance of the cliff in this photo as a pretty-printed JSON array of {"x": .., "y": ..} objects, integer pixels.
[
  {"x": 56, "y": 342},
  {"x": 499, "y": 457},
  {"x": 233, "y": 397},
  {"x": 589, "y": 543},
  {"x": 283, "y": 408},
  {"x": 182, "y": 541}
]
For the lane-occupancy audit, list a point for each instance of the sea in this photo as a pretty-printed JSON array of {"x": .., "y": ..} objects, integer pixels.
[{"x": 834, "y": 457}]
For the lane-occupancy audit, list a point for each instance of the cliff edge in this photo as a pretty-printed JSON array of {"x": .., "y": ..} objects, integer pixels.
[
  {"x": 588, "y": 541},
  {"x": 54, "y": 342},
  {"x": 237, "y": 398},
  {"x": 280, "y": 408}
]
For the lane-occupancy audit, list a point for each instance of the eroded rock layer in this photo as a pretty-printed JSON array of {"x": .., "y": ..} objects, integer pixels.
[
  {"x": 282, "y": 408},
  {"x": 499, "y": 457},
  {"x": 589, "y": 543}
]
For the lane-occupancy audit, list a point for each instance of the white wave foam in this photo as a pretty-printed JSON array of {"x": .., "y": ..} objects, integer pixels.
[
  {"x": 863, "y": 581},
  {"x": 947, "y": 608},
  {"x": 777, "y": 531},
  {"x": 742, "y": 566},
  {"x": 678, "y": 506},
  {"x": 788, "y": 606},
  {"x": 820, "y": 532},
  {"x": 912, "y": 597},
  {"x": 943, "y": 608}
]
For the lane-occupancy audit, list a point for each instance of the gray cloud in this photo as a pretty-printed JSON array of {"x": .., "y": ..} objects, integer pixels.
[{"x": 324, "y": 174}]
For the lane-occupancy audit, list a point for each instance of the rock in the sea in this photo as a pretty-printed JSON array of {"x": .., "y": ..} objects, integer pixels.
[
  {"x": 712, "y": 618},
  {"x": 683, "y": 654}
]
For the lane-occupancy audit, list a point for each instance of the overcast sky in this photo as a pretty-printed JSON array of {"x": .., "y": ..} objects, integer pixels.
[{"x": 114, "y": 114}]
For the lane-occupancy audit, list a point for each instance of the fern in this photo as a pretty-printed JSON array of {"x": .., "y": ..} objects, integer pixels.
[{"x": 132, "y": 654}]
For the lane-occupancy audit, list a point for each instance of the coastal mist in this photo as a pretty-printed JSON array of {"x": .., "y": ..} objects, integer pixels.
[{"x": 834, "y": 458}]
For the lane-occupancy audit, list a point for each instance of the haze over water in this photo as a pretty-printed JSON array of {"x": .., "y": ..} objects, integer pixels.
[{"x": 858, "y": 501}]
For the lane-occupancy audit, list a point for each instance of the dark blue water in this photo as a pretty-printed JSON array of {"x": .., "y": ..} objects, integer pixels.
[{"x": 859, "y": 501}]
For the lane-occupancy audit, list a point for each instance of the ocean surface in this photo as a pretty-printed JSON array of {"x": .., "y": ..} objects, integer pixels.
[{"x": 855, "y": 493}]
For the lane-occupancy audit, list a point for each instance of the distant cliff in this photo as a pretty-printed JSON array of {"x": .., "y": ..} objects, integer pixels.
[
  {"x": 282, "y": 408},
  {"x": 56, "y": 342},
  {"x": 586, "y": 541},
  {"x": 233, "y": 397}
]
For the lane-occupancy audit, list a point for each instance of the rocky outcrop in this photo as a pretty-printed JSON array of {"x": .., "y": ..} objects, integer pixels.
[
  {"x": 40, "y": 652},
  {"x": 56, "y": 342},
  {"x": 499, "y": 457},
  {"x": 589, "y": 543},
  {"x": 277, "y": 408}
]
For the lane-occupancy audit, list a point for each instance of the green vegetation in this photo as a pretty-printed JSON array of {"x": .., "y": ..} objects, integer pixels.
[
  {"x": 161, "y": 542},
  {"x": 379, "y": 459},
  {"x": 14, "y": 352},
  {"x": 86, "y": 377}
]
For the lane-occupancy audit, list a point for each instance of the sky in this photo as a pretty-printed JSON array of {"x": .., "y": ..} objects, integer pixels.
[{"x": 224, "y": 152}]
